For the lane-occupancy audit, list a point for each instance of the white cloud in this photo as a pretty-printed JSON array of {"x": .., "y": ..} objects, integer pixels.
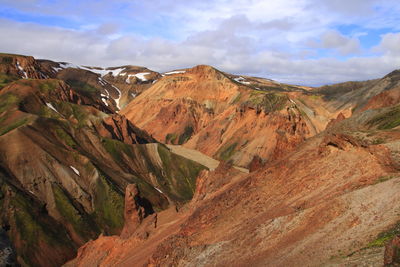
[
  {"x": 108, "y": 28},
  {"x": 390, "y": 44},
  {"x": 353, "y": 7},
  {"x": 264, "y": 38},
  {"x": 48, "y": 42},
  {"x": 332, "y": 39}
]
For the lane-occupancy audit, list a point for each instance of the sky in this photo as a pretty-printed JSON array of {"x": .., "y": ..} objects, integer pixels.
[{"x": 307, "y": 42}]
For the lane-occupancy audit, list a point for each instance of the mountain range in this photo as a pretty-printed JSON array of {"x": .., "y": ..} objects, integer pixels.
[{"x": 125, "y": 166}]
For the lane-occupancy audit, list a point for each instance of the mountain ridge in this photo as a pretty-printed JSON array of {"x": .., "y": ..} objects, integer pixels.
[{"x": 323, "y": 181}]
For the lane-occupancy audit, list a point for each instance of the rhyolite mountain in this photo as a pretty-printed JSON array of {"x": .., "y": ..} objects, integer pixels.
[
  {"x": 194, "y": 167},
  {"x": 66, "y": 157}
]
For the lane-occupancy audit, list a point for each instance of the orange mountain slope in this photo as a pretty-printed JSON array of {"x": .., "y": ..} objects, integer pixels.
[
  {"x": 334, "y": 198},
  {"x": 228, "y": 118}
]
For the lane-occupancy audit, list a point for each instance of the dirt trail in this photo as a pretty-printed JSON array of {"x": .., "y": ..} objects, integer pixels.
[{"x": 199, "y": 157}]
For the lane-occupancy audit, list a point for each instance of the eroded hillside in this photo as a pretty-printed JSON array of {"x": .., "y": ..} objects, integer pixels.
[
  {"x": 334, "y": 201},
  {"x": 229, "y": 117},
  {"x": 64, "y": 166},
  {"x": 331, "y": 200},
  {"x": 154, "y": 168}
]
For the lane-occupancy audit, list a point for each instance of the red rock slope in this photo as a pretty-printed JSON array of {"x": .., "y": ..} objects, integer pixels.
[
  {"x": 226, "y": 117},
  {"x": 336, "y": 195}
]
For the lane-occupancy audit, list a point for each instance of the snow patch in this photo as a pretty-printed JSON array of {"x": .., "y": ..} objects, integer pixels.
[
  {"x": 66, "y": 65},
  {"x": 174, "y": 72},
  {"x": 101, "y": 81},
  {"x": 100, "y": 71},
  {"x": 141, "y": 75},
  {"x": 104, "y": 97},
  {"x": 52, "y": 107},
  {"x": 159, "y": 190},
  {"x": 75, "y": 170},
  {"x": 116, "y": 72},
  {"x": 103, "y": 72},
  {"x": 104, "y": 101},
  {"x": 119, "y": 97},
  {"x": 56, "y": 70},
  {"x": 23, "y": 71},
  {"x": 241, "y": 80}
]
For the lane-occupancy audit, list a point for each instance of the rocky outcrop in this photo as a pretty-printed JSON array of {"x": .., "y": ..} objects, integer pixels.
[
  {"x": 338, "y": 141},
  {"x": 133, "y": 212},
  {"x": 392, "y": 252},
  {"x": 385, "y": 99},
  {"x": 7, "y": 254},
  {"x": 209, "y": 182},
  {"x": 118, "y": 127},
  {"x": 256, "y": 163},
  {"x": 24, "y": 67},
  {"x": 340, "y": 117}
]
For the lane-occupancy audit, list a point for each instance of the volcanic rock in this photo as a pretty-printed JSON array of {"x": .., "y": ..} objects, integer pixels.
[
  {"x": 392, "y": 252},
  {"x": 133, "y": 213}
]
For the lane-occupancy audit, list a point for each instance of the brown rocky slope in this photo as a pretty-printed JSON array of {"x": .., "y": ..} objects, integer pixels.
[
  {"x": 64, "y": 166},
  {"x": 335, "y": 196},
  {"x": 332, "y": 201}
]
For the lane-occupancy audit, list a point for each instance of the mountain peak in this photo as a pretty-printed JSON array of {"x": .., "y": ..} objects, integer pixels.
[
  {"x": 206, "y": 72},
  {"x": 394, "y": 75}
]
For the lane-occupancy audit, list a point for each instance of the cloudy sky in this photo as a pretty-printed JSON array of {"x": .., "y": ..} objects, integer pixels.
[{"x": 308, "y": 42}]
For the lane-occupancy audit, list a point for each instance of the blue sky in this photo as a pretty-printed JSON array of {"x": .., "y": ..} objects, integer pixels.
[{"x": 308, "y": 42}]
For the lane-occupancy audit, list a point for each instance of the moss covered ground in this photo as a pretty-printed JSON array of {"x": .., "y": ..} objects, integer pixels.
[
  {"x": 226, "y": 151},
  {"x": 109, "y": 206},
  {"x": 385, "y": 236},
  {"x": 388, "y": 119}
]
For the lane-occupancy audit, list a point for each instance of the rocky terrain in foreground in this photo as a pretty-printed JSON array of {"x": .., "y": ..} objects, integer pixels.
[{"x": 125, "y": 166}]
